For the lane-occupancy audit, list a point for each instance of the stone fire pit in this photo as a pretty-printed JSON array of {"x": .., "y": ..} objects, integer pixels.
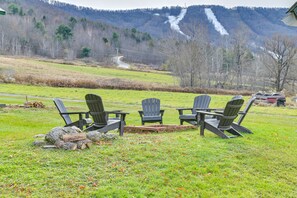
[{"x": 157, "y": 128}]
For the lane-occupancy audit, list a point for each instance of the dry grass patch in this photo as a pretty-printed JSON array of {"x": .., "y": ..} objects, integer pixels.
[{"x": 36, "y": 72}]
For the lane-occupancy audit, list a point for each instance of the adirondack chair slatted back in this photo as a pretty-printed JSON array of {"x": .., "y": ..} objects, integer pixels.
[
  {"x": 62, "y": 109},
  {"x": 151, "y": 107},
  {"x": 201, "y": 102},
  {"x": 96, "y": 108},
  {"x": 230, "y": 113},
  {"x": 246, "y": 109}
]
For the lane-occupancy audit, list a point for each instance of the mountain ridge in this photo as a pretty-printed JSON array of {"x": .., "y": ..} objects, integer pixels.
[
  {"x": 140, "y": 35},
  {"x": 261, "y": 22}
]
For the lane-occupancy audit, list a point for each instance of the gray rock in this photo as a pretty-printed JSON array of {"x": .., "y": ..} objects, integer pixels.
[
  {"x": 96, "y": 136},
  {"x": 56, "y": 133},
  {"x": 39, "y": 143}
]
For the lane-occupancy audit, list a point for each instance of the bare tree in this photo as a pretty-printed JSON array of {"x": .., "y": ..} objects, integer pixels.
[
  {"x": 278, "y": 58},
  {"x": 189, "y": 59},
  {"x": 241, "y": 56}
]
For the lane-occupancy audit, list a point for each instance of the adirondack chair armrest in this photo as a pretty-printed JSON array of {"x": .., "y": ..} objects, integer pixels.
[
  {"x": 118, "y": 114},
  {"x": 75, "y": 113},
  {"x": 79, "y": 113},
  {"x": 140, "y": 113},
  {"x": 210, "y": 109},
  {"x": 203, "y": 113},
  {"x": 180, "y": 110},
  {"x": 122, "y": 115},
  {"x": 113, "y": 111},
  {"x": 204, "y": 109}
]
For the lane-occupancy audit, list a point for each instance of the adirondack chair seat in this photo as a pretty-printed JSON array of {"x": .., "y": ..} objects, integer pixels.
[
  {"x": 104, "y": 128},
  {"x": 200, "y": 103},
  {"x": 193, "y": 117},
  {"x": 85, "y": 121},
  {"x": 187, "y": 117},
  {"x": 215, "y": 123},
  {"x": 152, "y": 118}
]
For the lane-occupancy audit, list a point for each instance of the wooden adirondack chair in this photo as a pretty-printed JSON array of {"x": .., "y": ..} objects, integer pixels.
[
  {"x": 84, "y": 119},
  {"x": 237, "y": 125},
  {"x": 201, "y": 103},
  {"x": 223, "y": 121},
  {"x": 100, "y": 116},
  {"x": 151, "y": 111}
]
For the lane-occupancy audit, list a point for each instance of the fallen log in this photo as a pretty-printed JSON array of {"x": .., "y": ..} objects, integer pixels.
[
  {"x": 74, "y": 137},
  {"x": 49, "y": 147},
  {"x": 70, "y": 146},
  {"x": 83, "y": 144}
]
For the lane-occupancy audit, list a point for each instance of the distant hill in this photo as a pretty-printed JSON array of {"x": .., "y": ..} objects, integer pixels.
[
  {"x": 258, "y": 22},
  {"x": 38, "y": 28},
  {"x": 31, "y": 27}
]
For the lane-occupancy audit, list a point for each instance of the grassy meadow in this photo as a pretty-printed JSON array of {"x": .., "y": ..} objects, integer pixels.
[
  {"x": 176, "y": 164},
  {"x": 44, "y": 70}
]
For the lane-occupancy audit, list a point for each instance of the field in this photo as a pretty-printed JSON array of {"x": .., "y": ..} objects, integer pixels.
[
  {"x": 176, "y": 164},
  {"x": 38, "y": 71}
]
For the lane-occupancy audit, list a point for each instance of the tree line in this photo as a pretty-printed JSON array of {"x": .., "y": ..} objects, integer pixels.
[
  {"x": 54, "y": 34},
  {"x": 233, "y": 65}
]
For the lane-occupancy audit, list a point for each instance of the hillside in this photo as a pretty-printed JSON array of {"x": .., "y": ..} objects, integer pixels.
[
  {"x": 258, "y": 22},
  {"x": 36, "y": 28},
  {"x": 202, "y": 46},
  {"x": 31, "y": 26}
]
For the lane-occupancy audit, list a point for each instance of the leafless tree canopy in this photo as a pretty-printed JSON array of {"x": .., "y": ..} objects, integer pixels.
[{"x": 279, "y": 57}]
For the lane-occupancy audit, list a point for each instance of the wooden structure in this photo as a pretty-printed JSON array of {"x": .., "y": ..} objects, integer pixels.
[
  {"x": 201, "y": 103},
  {"x": 100, "y": 116},
  {"x": 151, "y": 111},
  {"x": 222, "y": 121},
  {"x": 82, "y": 121}
]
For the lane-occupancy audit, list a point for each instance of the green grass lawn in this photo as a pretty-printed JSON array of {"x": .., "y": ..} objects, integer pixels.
[{"x": 177, "y": 164}]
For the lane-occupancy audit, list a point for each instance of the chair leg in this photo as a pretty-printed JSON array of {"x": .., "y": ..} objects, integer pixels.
[
  {"x": 181, "y": 122},
  {"x": 202, "y": 125},
  {"x": 241, "y": 128},
  {"x": 234, "y": 132},
  {"x": 121, "y": 128}
]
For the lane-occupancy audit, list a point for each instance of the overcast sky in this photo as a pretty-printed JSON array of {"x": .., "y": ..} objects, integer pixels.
[{"x": 132, "y": 4}]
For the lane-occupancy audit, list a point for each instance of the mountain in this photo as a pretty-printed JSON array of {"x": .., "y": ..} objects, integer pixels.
[
  {"x": 58, "y": 30},
  {"x": 259, "y": 23},
  {"x": 38, "y": 28}
]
